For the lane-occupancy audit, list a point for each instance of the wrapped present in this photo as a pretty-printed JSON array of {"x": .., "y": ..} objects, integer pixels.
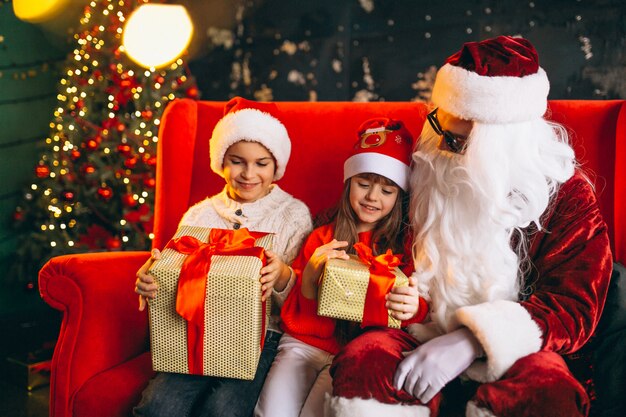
[
  {"x": 208, "y": 318},
  {"x": 355, "y": 289}
]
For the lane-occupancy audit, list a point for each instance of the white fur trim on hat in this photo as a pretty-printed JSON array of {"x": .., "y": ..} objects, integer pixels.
[
  {"x": 506, "y": 332},
  {"x": 493, "y": 100},
  {"x": 359, "y": 407},
  {"x": 251, "y": 125},
  {"x": 377, "y": 163}
]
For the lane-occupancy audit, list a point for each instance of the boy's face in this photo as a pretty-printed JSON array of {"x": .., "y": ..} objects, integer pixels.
[
  {"x": 249, "y": 171},
  {"x": 371, "y": 201}
]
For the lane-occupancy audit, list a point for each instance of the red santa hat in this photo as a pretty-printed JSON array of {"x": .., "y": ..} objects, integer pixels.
[
  {"x": 495, "y": 81},
  {"x": 383, "y": 147},
  {"x": 253, "y": 122}
]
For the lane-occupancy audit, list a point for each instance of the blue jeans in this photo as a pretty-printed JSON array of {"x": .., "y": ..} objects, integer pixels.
[{"x": 181, "y": 395}]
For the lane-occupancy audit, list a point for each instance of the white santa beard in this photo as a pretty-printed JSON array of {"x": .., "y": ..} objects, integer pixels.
[{"x": 466, "y": 207}]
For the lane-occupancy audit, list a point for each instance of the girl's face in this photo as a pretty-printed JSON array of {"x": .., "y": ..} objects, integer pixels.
[
  {"x": 249, "y": 171},
  {"x": 371, "y": 201}
]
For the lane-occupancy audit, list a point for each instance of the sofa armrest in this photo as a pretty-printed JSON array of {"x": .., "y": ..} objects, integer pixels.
[{"x": 101, "y": 326}]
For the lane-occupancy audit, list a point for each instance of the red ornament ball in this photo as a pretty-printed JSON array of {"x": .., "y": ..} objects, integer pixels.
[
  {"x": 92, "y": 144},
  {"x": 192, "y": 92},
  {"x": 146, "y": 114},
  {"x": 75, "y": 154},
  {"x": 130, "y": 162},
  {"x": 113, "y": 243},
  {"x": 159, "y": 79},
  {"x": 121, "y": 127},
  {"x": 89, "y": 169},
  {"x": 124, "y": 148},
  {"x": 128, "y": 200},
  {"x": 68, "y": 196},
  {"x": 18, "y": 215},
  {"x": 105, "y": 193},
  {"x": 42, "y": 171},
  {"x": 149, "y": 160},
  {"x": 149, "y": 182}
]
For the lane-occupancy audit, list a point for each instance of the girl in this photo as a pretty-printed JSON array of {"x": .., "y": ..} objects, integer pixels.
[
  {"x": 372, "y": 210},
  {"x": 250, "y": 149}
]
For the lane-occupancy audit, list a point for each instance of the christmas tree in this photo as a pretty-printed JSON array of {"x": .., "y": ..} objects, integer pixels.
[{"x": 93, "y": 186}]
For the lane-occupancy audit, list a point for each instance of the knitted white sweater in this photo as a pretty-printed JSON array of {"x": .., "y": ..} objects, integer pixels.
[{"x": 278, "y": 212}]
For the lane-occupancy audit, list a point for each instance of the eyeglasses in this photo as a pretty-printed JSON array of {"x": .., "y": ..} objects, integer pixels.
[{"x": 456, "y": 144}]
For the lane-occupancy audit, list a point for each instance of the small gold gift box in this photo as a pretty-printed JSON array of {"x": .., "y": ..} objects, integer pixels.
[
  {"x": 344, "y": 287},
  {"x": 235, "y": 319}
]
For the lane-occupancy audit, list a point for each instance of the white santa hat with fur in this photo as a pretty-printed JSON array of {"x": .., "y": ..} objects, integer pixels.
[
  {"x": 495, "y": 81},
  {"x": 253, "y": 122}
]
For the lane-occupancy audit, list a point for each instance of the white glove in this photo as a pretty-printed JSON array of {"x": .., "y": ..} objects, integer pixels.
[{"x": 427, "y": 369}]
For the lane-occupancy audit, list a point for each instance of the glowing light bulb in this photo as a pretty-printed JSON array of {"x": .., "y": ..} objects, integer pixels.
[{"x": 155, "y": 35}]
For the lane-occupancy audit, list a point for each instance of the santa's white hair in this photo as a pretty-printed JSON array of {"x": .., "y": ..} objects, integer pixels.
[{"x": 466, "y": 208}]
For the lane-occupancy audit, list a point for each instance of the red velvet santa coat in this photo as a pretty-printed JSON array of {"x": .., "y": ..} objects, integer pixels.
[{"x": 571, "y": 268}]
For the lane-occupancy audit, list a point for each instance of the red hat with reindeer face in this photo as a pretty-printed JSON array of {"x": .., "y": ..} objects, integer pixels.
[{"x": 383, "y": 147}]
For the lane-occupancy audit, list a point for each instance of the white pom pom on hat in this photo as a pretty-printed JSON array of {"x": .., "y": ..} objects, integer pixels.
[{"x": 253, "y": 122}]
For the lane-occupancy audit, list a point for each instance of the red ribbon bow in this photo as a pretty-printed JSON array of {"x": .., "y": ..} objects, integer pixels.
[
  {"x": 192, "y": 281},
  {"x": 381, "y": 282}
]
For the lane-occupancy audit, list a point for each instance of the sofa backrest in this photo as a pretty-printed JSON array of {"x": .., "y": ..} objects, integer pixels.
[{"x": 323, "y": 132}]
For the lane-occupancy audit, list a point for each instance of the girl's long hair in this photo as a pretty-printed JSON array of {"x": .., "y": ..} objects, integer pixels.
[{"x": 389, "y": 233}]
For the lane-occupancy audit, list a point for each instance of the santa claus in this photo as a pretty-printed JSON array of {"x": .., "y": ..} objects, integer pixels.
[{"x": 510, "y": 251}]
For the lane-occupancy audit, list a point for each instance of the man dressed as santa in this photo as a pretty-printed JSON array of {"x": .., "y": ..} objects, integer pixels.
[{"x": 510, "y": 251}]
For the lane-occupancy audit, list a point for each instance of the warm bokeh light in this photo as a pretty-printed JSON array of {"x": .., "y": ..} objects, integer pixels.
[
  {"x": 157, "y": 34},
  {"x": 37, "y": 11}
]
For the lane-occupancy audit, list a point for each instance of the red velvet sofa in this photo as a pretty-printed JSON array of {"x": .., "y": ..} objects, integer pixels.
[{"x": 102, "y": 362}]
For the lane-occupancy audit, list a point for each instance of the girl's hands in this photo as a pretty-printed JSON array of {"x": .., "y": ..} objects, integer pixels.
[
  {"x": 403, "y": 301},
  {"x": 314, "y": 268},
  {"x": 145, "y": 285},
  {"x": 275, "y": 274}
]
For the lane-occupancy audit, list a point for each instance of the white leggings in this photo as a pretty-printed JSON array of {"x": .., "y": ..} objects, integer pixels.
[{"x": 297, "y": 381}]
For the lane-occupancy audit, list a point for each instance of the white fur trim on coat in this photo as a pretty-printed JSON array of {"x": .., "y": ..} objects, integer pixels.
[
  {"x": 493, "y": 100},
  {"x": 506, "y": 332},
  {"x": 359, "y": 407},
  {"x": 472, "y": 410},
  {"x": 251, "y": 125}
]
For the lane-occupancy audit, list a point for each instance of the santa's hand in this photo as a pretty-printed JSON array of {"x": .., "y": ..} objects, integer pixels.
[
  {"x": 427, "y": 369},
  {"x": 403, "y": 301},
  {"x": 145, "y": 285}
]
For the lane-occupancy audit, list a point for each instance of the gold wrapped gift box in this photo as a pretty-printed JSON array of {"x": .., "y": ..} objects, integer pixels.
[
  {"x": 234, "y": 318},
  {"x": 344, "y": 287}
]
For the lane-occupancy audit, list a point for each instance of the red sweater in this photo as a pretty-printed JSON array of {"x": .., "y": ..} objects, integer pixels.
[{"x": 299, "y": 314}]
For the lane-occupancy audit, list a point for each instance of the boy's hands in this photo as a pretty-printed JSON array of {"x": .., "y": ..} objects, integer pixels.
[
  {"x": 275, "y": 274},
  {"x": 403, "y": 301},
  {"x": 313, "y": 269},
  {"x": 145, "y": 285}
]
